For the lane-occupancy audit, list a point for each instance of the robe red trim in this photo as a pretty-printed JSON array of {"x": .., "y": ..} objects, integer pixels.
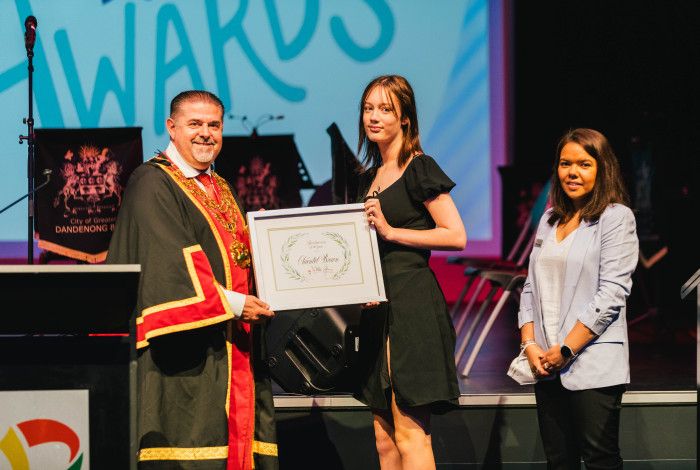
[
  {"x": 207, "y": 307},
  {"x": 241, "y": 392}
]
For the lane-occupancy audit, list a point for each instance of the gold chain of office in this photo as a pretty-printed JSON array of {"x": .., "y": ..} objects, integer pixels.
[{"x": 224, "y": 212}]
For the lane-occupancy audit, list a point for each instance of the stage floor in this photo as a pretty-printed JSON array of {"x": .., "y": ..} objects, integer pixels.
[
  {"x": 660, "y": 361},
  {"x": 495, "y": 425}
]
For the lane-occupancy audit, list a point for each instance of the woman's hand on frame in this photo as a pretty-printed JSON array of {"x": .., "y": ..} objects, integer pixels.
[{"x": 375, "y": 217}]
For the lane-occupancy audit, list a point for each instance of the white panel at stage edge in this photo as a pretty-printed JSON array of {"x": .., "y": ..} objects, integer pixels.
[{"x": 47, "y": 430}]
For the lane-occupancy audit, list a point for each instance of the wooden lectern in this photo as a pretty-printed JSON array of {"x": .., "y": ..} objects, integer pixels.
[{"x": 66, "y": 327}]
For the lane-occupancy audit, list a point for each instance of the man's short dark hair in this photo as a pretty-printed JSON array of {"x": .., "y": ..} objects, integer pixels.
[{"x": 194, "y": 95}]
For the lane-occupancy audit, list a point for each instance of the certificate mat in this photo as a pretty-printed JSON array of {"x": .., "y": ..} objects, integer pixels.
[{"x": 315, "y": 257}]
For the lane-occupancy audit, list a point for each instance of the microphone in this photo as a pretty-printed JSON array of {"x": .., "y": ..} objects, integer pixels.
[
  {"x": 242, "y": 117},
  {"x": 47, "y": 173},
  {"x": 265, "y": 118},
  {"x": 29, "y": 33}
]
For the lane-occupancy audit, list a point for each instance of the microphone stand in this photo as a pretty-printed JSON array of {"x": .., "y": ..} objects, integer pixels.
[
  {"x": 29, "y": 121},
  {"x": 47, "y": 174},
  {"x": 265, "y": 118},
  {"x": 243, "y": 118},
  {"x": 260, "y": 121}
]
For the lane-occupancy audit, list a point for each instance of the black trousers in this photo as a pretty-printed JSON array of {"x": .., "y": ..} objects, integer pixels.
[{"x": 579, "y": 424}]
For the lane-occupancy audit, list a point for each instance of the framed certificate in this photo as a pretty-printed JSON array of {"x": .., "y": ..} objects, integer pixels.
[{"x": 315, "y": 257}]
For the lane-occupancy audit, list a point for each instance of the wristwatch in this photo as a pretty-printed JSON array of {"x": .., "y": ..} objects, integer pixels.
[{"x": 566, "y": 352}]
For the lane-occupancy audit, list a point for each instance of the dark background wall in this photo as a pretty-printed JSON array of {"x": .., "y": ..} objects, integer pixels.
[{"x": 631, "y": 70}]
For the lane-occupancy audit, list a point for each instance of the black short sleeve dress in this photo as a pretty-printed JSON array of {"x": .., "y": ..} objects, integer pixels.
[{"x": 416, "y": 320}]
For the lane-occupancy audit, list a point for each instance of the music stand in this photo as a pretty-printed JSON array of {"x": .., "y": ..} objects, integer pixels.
[
  {"x": 346, "y": 168},
  {"x": 71, "y": 328},
  {"x": 265, "y": 171}
]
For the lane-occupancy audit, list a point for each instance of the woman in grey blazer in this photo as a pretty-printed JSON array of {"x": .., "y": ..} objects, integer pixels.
[{"x": 572, "y": 310}]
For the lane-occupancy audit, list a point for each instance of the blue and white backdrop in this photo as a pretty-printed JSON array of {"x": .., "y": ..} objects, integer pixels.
[{"x": 113, "y": 63}]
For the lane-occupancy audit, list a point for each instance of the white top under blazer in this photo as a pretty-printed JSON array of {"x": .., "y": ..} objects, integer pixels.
[
  {"x": 551, "y": 268},
  {"x": 597, "y": 281}
]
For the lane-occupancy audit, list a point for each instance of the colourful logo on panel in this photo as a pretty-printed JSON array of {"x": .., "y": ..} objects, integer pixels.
[{"x": 36, "y": 432}]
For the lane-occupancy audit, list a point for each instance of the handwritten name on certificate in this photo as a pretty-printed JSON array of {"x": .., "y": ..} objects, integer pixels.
[{"x": 316, "y": 256}]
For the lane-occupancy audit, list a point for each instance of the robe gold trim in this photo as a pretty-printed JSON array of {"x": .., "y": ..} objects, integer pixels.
[
  {"x": 154, "y": 329},
  {"x": 201, "y": 453},
  {"x": 183, "y": 453}
]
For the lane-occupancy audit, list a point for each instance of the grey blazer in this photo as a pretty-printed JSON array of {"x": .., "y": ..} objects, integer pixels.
[{"x": 598, "y": 279}]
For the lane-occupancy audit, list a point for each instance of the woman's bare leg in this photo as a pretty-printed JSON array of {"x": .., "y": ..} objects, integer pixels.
[
  {"x": 412, "y": 437},
  {"x": 411, "y": 432},
  {"x": 389, "y": 457}
]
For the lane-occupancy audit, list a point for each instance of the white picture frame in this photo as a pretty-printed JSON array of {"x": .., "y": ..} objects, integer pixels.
[{"x": 315, "y": 257}]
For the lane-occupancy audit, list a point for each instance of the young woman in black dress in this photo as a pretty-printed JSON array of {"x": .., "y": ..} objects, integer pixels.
[{"x": 406, "y": 345}]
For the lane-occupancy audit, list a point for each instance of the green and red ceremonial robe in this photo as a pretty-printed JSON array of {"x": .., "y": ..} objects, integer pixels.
[{"x": 204, "y": 396}]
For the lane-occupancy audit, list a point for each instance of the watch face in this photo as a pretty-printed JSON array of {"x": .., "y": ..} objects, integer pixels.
[{"x": 566, "y": 351}]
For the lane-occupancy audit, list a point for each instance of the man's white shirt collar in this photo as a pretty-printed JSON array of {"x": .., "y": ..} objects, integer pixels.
[
  {"x": 180, "y": 162},
  {"x": 236, "y": 300}
]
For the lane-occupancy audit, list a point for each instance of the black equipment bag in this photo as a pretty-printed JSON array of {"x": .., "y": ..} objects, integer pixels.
[{"x": 311, "y": 351}]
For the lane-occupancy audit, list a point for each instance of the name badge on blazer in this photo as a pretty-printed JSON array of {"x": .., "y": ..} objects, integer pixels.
[{"x": 538, "y": 242}]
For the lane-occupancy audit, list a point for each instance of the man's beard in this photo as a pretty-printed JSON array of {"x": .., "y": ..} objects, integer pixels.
[{"x": 203, "y": 154}]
